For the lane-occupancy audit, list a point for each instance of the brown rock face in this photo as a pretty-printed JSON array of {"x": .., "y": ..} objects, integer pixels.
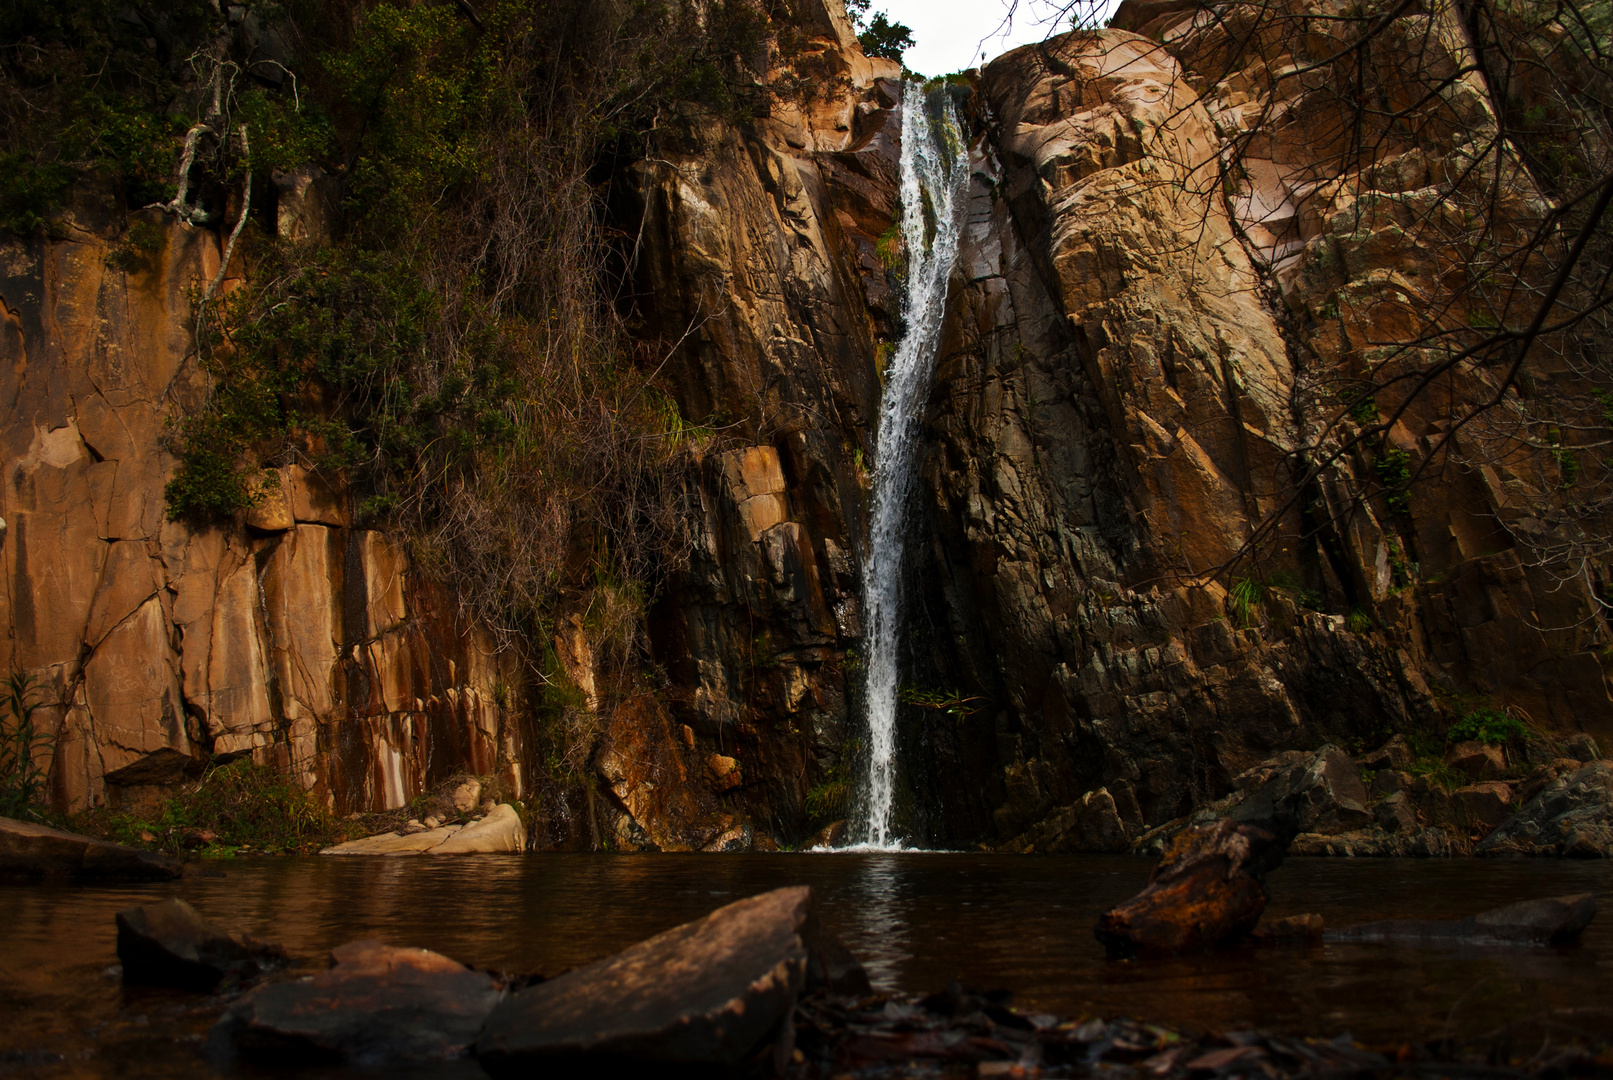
[
  {"x": 306, "y": 643},
  {"x": 1208, "y": 890}
]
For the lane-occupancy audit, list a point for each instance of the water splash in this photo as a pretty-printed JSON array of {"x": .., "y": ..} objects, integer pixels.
[{"x": 935, "y": 182}]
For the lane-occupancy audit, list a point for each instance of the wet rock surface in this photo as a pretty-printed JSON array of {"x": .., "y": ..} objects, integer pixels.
[
  {"x": 30, "y": 852},
  {"x": 1208, "y": 890},
  {"x": 1558, "y": 920},
  {"x": 714, "y": 993},
  {"x": 376, "y": 1004},
  {"x": 170, "y": 944}
]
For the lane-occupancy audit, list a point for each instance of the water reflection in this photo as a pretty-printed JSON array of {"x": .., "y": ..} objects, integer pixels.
[
  {"x": 873, "y": 921},
  {"x": 916, "y": 920}
]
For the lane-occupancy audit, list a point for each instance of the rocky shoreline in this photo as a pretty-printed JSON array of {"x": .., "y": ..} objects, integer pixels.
[{"x": 1471, "y": 802}]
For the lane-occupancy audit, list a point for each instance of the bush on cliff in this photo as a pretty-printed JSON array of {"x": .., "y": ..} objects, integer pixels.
[{"x": 232, "y": 806}]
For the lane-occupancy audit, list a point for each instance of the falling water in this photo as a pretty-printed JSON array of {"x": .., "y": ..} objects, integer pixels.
[{"x": 935, "y": 179}]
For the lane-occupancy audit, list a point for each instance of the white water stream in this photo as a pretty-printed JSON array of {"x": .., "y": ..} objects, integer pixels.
[{"x": 935, "y": 184}]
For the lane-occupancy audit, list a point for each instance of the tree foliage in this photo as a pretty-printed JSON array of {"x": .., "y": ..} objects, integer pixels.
[{"x": 877, "y": 35}]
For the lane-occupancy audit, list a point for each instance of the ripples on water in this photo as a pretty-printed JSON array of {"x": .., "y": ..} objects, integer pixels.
[{"x": 916, "y": 920}]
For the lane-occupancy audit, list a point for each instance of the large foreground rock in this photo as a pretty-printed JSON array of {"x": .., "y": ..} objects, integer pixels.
[
  {"x": 1555, "y": 921},
  {"x": 30, "y": 852},
  {"x": 500, "y": 831},
  {"x": 169, "y": 944},
  {"x": 712, "y": 993},
  {"x": 377, "y": 1004},
  {"x": 1573, "y": 816},
  {"x": 1209, "y": 889}
]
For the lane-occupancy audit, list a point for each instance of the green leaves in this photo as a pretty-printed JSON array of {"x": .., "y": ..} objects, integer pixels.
[
  {"x": 1492, "y": 727},
  {"x": 22, "y": 779}
]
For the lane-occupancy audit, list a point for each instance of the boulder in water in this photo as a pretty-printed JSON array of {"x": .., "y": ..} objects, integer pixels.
[
  {"x": 377, "y": 1004},
  {"x": 1556, "y": 921},
  {"x": 710, "y": 994},
  {"x": 170, "y": 944},
  {"x": 30, "y": 852},
  {"x": 1209, "y": 889}
]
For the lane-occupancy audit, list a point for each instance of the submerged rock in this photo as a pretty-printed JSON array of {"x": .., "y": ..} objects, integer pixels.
[
  {"x": 377, "y": 1004},
  {"x": 1556, "y": 921},
  {"x": 1572, "y": 816},
  {"x": 500, "y": 831},
  {"x": 29, "y": 852},
  {"x": 170, "y": 944},
  {"x": 1209, "y": 889},
  {"x": 1290, "y": 928},
  {"x": 713, "y": 993},
  {"x": 1428, "y": 843}
]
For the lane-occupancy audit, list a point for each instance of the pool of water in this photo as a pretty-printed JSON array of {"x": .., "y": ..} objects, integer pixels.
[{"x": 916, "y": 920}]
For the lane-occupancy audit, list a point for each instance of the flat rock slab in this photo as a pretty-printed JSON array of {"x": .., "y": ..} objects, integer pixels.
[
  {"x": 377, "y": 1005},
  {"x": 1556, "y": 921},
  {"x": 1208, "y": 890},
  {"x": 713, "y": 993},
  {"x": 169, "y": 944},
  {"x": 30, "y": 852},
  {"x": 500, "y": 831}
]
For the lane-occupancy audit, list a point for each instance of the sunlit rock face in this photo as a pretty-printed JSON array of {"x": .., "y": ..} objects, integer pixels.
[{"x": 299, "y": 640}]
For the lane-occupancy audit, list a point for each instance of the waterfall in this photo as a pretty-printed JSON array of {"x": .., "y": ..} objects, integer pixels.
[{"x": 935, "y": 183}]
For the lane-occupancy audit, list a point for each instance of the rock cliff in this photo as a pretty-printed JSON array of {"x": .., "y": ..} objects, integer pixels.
[
  {"x": 1131, "y": 360},
  {"x": 292, "y": 637}
]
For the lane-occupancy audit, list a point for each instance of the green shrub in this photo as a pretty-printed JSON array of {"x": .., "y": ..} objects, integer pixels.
[
  {"x": 1394, "y": 473},
  {"x": 22, "y": 778},
  {"x": 1492, "y": 727},
  {"x": 241, "y": 804},
  {"x": 1246, "y": 596}
]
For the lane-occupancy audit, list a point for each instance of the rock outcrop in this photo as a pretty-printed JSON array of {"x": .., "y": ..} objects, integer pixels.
[
  {"x": 30, "y": 852},
  {"x": 1209, "y": 889},
  {"x": 500, "y": 831},
  {"x": 1572, "y": 816}
]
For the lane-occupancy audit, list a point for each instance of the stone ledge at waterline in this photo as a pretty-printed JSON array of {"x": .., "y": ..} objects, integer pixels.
[
  {"x": 29, "y": 852},
  {"x": 715, "y": 993},
  {"x": 500, "y": 831}
]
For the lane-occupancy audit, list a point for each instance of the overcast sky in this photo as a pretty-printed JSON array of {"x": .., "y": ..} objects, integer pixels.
[{"x": 950, "y": 35}]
